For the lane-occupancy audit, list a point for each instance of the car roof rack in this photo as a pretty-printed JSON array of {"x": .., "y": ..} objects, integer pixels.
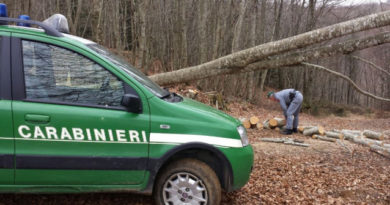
[{"x": 47, "y": 28}]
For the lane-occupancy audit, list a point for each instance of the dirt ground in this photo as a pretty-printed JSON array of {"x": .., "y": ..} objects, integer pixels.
[{"x": 323, "y": 173}]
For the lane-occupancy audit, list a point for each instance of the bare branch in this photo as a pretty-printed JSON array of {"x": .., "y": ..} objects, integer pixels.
[
  {"x": 372, "y": 64},
  {"x": 347, "y": 79}
]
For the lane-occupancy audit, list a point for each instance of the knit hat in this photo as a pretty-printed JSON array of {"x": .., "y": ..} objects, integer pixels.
[{"x": 270, "y": 93}]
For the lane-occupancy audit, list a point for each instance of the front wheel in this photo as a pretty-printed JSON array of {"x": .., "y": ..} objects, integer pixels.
[{"x": 187, "y": 181}]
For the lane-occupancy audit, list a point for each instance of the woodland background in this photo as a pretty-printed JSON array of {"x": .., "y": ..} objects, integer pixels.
[{"x": 164, "y": 35}]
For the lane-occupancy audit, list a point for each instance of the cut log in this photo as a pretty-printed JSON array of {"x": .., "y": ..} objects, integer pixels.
[
  {"x": 348, "y": 135},
  {"x": 301, "y": 128},
  {"x": 335, "y": 135},
  {"x": 355, "y": 132},
  {"x": 245, "y": 122},
  {"x": 287, "y": 141},
  {"x": 254, "y": 120},
  {"x": 377, "y": 147},
  {"x": 386, "y": 145},
  {"x": 277, "y": 128},
  {"x": 291, "y": 142},
  {"x": 277, "y": 122},
  {"x": 365, "y": 141},
  {"x": 259, "y": 126},
  {"x": 373, "y": 135},
  {"x": 314, "y": 130},
  {"x": 266, "y": 125},
  {"x": 323, "y": 138},
  {"x": 276, "y": 140},
  {"x": 381, "y": 150}
]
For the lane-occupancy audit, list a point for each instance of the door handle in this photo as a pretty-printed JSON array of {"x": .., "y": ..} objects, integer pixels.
[{"x": 37, "y": 118}]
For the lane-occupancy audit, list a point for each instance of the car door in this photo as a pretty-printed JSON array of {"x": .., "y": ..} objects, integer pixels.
[
  {"x": 69, "y": 125},
  {"x": 6, "y": 131}
]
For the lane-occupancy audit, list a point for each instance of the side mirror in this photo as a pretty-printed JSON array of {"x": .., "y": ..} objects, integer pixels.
[{"x": 132, "y": 103}]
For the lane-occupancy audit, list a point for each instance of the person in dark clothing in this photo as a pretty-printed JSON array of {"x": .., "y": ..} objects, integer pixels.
[{"x": 290, "y": 101}]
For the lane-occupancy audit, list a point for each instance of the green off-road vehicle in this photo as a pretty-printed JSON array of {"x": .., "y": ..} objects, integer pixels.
[{"x": 77, "y": 118}]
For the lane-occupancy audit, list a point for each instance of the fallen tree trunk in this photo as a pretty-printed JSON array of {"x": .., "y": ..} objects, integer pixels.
[
  {"x": 373, "y": 135},
  {"x": 298, "y": 57},
  {"x": 239, "y": 60}
]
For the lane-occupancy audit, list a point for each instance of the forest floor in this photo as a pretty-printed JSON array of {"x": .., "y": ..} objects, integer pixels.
[{"x": 323, "y": 173}]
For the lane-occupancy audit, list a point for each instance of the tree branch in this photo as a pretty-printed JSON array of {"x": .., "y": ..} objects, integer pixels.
[
  {"x": 347, "y": 79},
  {"x": 372, "y": 64}
]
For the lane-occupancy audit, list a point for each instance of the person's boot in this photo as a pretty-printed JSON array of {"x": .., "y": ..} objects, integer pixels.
[
  {"x": 286, "y": 132},
  {"x": 295, "y": 130}
]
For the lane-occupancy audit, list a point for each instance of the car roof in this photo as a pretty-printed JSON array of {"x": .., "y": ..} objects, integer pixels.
[{"x": 41, "y": 32}]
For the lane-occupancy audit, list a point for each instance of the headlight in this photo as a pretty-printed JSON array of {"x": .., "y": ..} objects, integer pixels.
[{"x": 244, "y": 137}]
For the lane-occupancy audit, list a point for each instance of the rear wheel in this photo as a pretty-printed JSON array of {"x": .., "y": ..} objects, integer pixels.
[{"x": 187, "y": 181}]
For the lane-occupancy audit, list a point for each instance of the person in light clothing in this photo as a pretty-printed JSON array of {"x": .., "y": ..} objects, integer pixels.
[{"x": 290, "y": 101}]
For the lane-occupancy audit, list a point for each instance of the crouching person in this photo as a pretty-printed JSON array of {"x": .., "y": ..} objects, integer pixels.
[{"x": 290, "y": 101}]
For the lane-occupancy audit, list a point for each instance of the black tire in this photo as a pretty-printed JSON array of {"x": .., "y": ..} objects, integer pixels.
[{"x": 196, "y": 171}]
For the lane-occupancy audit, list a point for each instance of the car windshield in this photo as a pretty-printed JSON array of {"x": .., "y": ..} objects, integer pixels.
[{"x": 128, "y": 68}]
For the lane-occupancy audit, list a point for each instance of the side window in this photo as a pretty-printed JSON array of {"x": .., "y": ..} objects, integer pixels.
[{"x": 56, "y": 74}]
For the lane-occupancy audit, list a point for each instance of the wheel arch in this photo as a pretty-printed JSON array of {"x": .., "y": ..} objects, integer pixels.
[{"x": 200, "y": 151}]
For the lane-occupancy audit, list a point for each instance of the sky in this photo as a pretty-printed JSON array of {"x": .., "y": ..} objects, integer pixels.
[{"x": 349, "y": 2}]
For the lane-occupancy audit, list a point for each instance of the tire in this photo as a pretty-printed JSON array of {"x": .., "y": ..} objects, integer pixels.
[{"x": 187, "y": 181}]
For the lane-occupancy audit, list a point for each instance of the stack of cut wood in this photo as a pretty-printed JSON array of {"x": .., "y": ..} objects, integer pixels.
[
  {"x": 251, "y": 123},
  {"x": 367, "y": 138}
]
